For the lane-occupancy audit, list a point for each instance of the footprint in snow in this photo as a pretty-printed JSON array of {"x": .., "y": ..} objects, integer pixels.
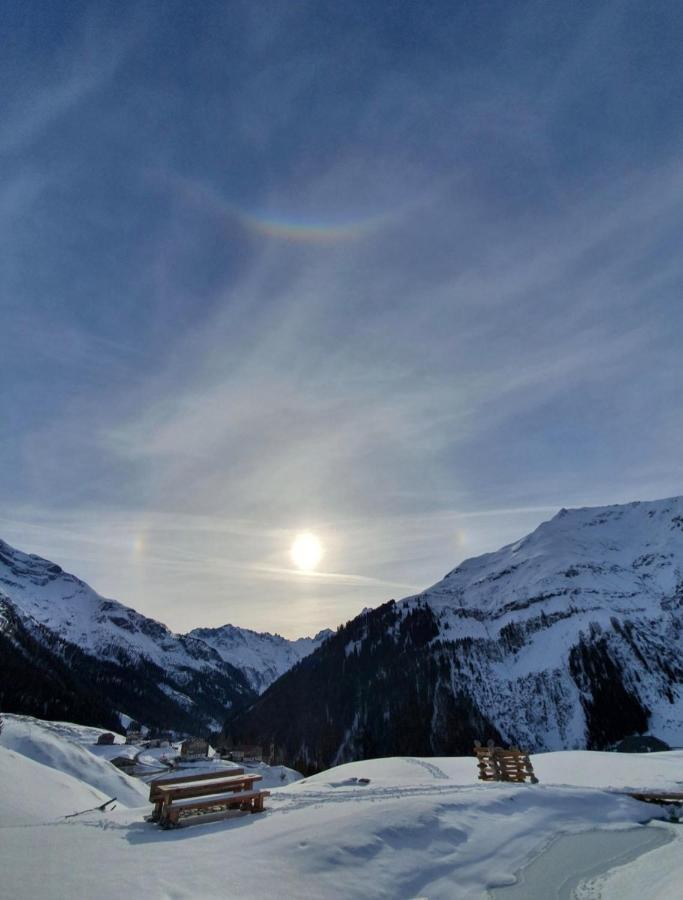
[{"x": 349, "y": 782}]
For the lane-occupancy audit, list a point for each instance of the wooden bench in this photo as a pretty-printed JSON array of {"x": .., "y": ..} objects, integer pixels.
[
  {"x": 497, "y": 764},
  {"x": 223, "y": 803},
  {"x": 159, "y": 787}
]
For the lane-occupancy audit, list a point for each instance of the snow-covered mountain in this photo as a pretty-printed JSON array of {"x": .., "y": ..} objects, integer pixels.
[
  {"x": 261, "y": 656},
  {"x": 568, "y": 638},
  {"x": 65, "y": 649},
  {"x": 44, "y": 593}
]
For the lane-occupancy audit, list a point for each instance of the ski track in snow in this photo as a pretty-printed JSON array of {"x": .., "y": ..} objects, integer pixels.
[
  {"x": 290, "y": 801},
  {"x": 429, "y": 767}
]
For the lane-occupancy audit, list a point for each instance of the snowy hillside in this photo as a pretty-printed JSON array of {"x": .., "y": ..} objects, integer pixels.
[
  {"x": 261, "y": 656},
  {"x": 33, "y": 793},
  {"x": 571, "y": 637},
  {"x": 66, "y": 748},
  {"x": 398, "y": 827}
]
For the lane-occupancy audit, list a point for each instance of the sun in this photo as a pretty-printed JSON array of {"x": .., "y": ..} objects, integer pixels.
[{"x": 306, "y": 551}]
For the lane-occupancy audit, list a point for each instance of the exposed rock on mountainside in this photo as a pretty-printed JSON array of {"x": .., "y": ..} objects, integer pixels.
[{"x": 568, "y": 638}]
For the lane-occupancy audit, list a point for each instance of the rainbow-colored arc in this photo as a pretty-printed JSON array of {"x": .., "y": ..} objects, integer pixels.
[
  {"x": 276, "y": 225},
  {"x": 311, "y": 232}
]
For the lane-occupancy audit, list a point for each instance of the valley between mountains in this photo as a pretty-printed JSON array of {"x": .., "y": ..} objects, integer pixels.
[{"x": 570, "y": 638}]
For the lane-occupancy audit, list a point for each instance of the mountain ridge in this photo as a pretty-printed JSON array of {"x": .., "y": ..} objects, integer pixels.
[
  {"x": 571, "y": 637},
  {"x": 263, "y": 656}
]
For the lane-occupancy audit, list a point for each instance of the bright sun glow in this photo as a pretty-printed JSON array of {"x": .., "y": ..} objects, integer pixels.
[{"x": 306, "y": 551}]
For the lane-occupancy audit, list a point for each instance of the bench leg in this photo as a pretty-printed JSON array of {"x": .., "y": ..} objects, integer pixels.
[
  {"x": 170, "y": 819},
  {"x": 156, "y": 812},
  {"x": 168, "y": 816}
]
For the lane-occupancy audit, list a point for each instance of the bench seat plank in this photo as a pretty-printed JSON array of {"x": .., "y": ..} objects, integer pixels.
[
  {"x": 214, "y": 800},
  {"x": 252, "y": 800}
]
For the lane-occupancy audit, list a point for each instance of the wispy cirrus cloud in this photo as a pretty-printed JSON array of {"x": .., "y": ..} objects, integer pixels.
[
  {"x": 197, "y": 375},
  {"x": 59, "y": 83}
]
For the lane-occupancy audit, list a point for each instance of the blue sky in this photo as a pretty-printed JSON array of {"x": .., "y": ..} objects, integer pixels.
[{"x": 403, "y": 274}]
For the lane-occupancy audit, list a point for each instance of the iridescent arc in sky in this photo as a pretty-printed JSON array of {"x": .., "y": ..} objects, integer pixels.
[{"x": 294, "y": 227}]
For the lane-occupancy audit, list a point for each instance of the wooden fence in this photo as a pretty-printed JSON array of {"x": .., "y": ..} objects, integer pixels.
[{"x": 497, "y": 764}]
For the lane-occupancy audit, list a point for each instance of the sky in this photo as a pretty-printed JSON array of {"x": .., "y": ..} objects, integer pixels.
[{"x": 406, "y": 275}]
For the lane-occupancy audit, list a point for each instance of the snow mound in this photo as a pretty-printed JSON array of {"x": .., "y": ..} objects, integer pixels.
[
  {"x": 273, "y": 776},
  {"x": 33, "y": 793},
  {"x": 403, "y": 827},
  {"x": 84, "y": 735},
  {"x": 575, "y": 768},
  {"x": 617, "y": 771},
  {"x": 60, "y": 746}
]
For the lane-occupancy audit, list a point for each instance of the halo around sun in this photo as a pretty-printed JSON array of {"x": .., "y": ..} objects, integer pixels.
[{"x": 306, "y": 551}]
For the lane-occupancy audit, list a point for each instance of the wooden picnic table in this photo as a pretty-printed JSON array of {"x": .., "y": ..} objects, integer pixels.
[
  {"x": 161, "y": 790},
  {"x": 222, "y": 791}
]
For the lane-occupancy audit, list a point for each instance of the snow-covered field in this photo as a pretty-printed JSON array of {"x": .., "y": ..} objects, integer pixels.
[{"x": 419, "y": 828}]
